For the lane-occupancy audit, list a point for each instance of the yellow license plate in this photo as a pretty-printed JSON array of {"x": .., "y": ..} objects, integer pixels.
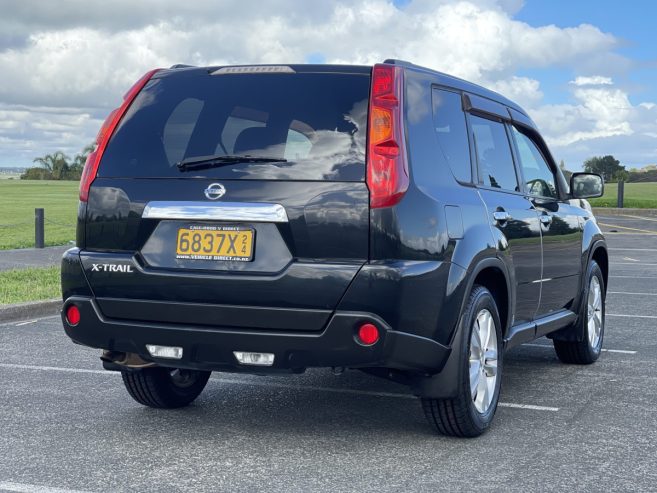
[{"x": 215, "y": 243}]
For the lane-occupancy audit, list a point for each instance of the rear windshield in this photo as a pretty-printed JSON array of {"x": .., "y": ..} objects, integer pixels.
[{"x": 316, "y": 122}]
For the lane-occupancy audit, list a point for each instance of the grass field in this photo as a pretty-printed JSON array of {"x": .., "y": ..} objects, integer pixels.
[
  {"x": 19, "y": 285},
  {"x": 19, "y": 198},
  {"x": 639, "y": 195}
]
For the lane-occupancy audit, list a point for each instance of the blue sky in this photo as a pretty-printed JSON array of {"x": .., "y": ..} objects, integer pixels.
[
  {"x": 585, "y": 71},
  {"x": 632, "y": 21}
]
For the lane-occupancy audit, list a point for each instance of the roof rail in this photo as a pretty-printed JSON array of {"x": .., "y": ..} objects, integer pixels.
[{"x": 181, "y": 65}]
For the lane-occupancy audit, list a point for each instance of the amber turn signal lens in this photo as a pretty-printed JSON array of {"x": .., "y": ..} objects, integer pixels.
[{"x": 381, "y": 125}]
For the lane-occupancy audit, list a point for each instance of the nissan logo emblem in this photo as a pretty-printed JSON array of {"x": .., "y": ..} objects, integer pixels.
[{"x": 215, "y": 191}]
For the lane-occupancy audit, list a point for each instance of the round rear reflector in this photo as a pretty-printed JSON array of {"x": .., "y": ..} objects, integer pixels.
[
  {"x": 368, "y": 334},
  {"x": 73, "y": 315}
]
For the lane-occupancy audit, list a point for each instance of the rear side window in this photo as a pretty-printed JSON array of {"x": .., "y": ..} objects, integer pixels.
[
  {"x": 317, "y": 122},
  {"x": 452, "y": 133},
  {"x": 539, "y": 179},
  {"x": 496, "y": 168}
]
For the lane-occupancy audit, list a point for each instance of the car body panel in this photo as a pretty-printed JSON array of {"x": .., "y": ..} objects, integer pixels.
[{"x": 334, "y": 262}]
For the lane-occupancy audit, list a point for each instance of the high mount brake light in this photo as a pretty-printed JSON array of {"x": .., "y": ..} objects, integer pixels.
[
  {"x": 105, "y": 133},
  {"x": 387, "y": 169}
]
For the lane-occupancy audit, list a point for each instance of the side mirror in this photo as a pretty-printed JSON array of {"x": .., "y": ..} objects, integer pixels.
[{"x": 586, "y": 185}]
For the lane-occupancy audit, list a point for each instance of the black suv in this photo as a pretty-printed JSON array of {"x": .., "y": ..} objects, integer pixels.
[{"x": 268, "y": 219}]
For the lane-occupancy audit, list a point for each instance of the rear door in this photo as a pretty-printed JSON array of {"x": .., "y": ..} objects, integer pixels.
[
  {"x": 512, "y": 216},
  {"x": 279, "y": 234}
]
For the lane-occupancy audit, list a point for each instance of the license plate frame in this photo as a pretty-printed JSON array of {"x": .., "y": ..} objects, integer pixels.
[{"x": 222, "y": 243}]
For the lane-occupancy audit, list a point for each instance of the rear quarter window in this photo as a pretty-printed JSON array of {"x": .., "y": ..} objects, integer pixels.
[{"x": 451, "y": 133}]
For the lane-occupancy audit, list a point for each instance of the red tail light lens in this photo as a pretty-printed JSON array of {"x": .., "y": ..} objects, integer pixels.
[
  {"x": 104, "y": 134},
  {"x": 73, "y": 315},
  {"x": 387, "y": 170},
  {"x": 368, "y": 334}
]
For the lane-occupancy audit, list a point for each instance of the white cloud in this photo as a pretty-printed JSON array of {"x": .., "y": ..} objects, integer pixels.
[
  {"x": 81, "y": 56},
  {"x": 600, "y": 120},
  {"x": 87, "y": 66},
  {"x": 524, "y": 91},
  {"x": 596, "y": 80}
]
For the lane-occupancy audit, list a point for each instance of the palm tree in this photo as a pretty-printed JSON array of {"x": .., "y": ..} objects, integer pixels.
[
  {"x": 56, "y": 164},
  {"x": 81, "y": 158}
]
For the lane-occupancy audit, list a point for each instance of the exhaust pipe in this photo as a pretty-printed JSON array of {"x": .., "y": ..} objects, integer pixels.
[{"x": 117, "y": 361}]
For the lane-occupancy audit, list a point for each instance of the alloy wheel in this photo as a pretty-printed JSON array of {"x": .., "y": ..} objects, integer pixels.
[
  {"x": 594, "y": 312},
  {"x": 483, "y": 360}
]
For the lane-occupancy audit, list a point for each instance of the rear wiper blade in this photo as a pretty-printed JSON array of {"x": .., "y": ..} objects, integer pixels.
[{"x": 203, "y": 162}]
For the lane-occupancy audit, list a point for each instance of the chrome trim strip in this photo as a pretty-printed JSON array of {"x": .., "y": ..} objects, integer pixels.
[{"x": 217, "y": 211}]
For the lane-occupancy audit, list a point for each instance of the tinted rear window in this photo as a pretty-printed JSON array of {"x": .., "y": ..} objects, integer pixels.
[{"x": 316, "y": 121}]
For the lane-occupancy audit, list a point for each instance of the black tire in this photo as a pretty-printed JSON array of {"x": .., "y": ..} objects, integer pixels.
[
  {"x": 585, "y": 352},
  {"x": 164, "y": 388},
  {"x": 458, "y": 416}
]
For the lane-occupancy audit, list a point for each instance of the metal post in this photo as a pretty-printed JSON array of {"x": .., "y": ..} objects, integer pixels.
[
  {"x": 621, "y": 194},
  {"x": 38, "y": 228}
]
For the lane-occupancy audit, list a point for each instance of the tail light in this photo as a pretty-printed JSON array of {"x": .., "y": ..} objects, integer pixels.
[
  {"x": 104, "y": 134},
  {"x": 387, "y": 170}
]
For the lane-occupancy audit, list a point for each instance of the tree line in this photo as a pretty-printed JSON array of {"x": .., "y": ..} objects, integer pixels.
[
  {"x": 612, "y": 170},
  {"x": 58, "y": 166}
]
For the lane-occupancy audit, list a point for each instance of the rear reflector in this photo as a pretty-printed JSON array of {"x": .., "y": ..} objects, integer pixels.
[
  {"x": 105, "y": 133},
  {"x": 255, "y": 359},
  {"x": 387, "y": 169},
  {"x": 368, "y": 334},
  {"x": 169, "y": 352},
  {"x": 73, "y": 315}
]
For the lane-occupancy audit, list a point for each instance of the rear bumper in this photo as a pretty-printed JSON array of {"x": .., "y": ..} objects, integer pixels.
[{"x": 211, "y": 347}]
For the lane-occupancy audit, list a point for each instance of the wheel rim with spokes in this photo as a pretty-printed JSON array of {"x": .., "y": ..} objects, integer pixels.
[
  {"x": 483, "y": 361},
  {"x": 594, "y": 312}
]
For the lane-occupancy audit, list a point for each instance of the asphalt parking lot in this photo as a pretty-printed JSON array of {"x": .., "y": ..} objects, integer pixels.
[{"x": 67, "y": 425}]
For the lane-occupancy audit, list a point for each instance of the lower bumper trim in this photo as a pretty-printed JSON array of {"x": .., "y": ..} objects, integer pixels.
[{"x": 211, "y": 348}]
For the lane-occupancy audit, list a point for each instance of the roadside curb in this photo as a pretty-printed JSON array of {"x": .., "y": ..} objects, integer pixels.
[
  {"x": 614, "y": 211},
  {"x": 29, "y": 310}
]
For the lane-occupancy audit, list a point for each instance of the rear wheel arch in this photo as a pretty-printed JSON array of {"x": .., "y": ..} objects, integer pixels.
[{"x": 491, "y": 274}]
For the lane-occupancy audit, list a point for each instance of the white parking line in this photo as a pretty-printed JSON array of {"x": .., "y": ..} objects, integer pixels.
[
  {"x": 632, "y": 277},
  {"x": 528, "y": 406},
  {"x": 56, "y": 368},
  {"x": 635, "y": 249},
  {"x": 638, "y": 294},
  {"x": 619, "y": 351},
  {"x": 643, "y": 218},
  {"x": 631, "y": 263},
  {"x": 629, "y": 316},
  {"x": 33, "y": 488},
  {"x": 26, "y": 322},
  {"x": 236, "y": 381}
]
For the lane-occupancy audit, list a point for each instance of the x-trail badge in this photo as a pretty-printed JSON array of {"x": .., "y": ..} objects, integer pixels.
[{"x": 215, "y": 191}]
